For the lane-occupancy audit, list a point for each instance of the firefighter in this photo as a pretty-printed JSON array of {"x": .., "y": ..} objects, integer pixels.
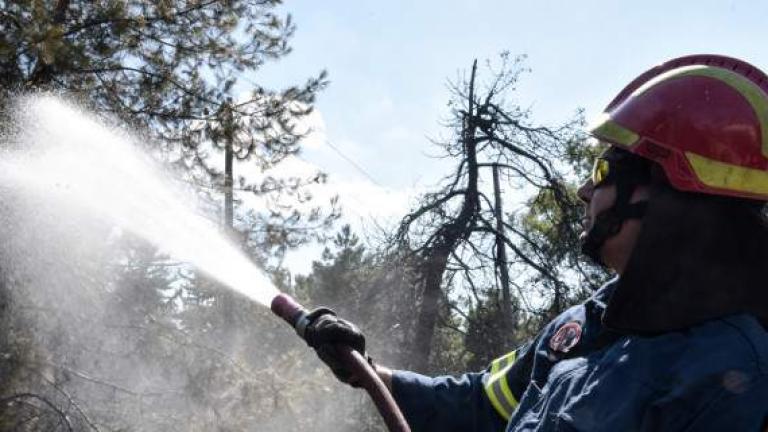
[{"x": 678, "y": 341}]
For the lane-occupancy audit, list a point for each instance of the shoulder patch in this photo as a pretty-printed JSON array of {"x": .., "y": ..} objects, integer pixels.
[{"x": 566, "y": 337}]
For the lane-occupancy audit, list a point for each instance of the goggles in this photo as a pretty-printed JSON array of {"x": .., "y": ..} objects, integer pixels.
[
  {"x": 614, "y": 165},
  {"x": 600, "y": 171}
]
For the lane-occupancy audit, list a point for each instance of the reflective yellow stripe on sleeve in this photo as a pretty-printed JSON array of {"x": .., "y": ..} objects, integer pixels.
[{"x": 496, "y": 386}]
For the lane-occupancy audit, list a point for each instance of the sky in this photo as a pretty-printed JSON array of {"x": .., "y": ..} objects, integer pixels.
[{"x": 389, "y": 63}]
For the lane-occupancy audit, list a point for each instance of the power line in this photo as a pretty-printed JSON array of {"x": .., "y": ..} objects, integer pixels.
[
  {"x": 353, "y": 196},
  {"x": 354, "y": 164},
  {"x": 363, "y": 217}
]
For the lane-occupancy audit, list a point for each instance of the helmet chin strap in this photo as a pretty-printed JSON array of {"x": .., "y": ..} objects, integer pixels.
[{"x": 609, "y": 222}]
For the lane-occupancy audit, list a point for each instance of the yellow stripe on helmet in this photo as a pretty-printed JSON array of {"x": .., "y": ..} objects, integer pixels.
[
  {"x": 731, "y": 177},
  {"x": 607, "y": 129}
]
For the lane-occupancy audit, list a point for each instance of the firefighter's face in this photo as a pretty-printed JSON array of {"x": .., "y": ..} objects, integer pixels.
[{"x": 617, "y": 249}]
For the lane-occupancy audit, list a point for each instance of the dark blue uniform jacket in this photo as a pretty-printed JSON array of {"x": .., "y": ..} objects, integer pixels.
[{"x": 578, "y": 376}]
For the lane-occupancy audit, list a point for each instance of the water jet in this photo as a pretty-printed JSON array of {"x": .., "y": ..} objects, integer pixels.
[{"x": 68, "y": 156}]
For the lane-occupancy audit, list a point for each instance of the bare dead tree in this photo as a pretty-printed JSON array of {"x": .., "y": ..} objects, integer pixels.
[{"x": 459, "y": 228}]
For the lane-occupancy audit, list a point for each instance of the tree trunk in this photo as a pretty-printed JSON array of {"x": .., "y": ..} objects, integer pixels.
[
  {"x": 226, "y": 298},
  {"x": 448, "y": 238},
  {"x": 429, "y": 312},
  {"x": 229, "y": 211},
  {"x": 501, "y": 255}
]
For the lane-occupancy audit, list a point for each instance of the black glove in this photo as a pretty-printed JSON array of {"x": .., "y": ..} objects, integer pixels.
[{"x": 324, "y": 331}]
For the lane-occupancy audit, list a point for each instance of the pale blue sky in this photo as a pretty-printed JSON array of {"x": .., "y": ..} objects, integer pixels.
[{"x": 389, "y": 62}]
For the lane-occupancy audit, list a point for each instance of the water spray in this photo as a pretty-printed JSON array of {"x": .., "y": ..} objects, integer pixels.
[
  {"x": 294, "y": 314},
  {"x": 78, "y": 161}
]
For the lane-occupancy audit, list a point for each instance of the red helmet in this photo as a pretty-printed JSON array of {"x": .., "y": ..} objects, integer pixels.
[{"x": 703, "y": 118}]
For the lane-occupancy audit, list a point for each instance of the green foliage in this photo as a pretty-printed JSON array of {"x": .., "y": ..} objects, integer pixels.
[
  {"x": 486, "y": 336},
  {"x": 165, "y": 64},
  {"x": 580, "y": 155},
  {"x": 373, "y": 289},
  {"x": 134, "y": 352},
  {"x": 341, "y": 272},
  {"x": 177, "y": 70},
  {"x": 376, "y": 291},
  {"x": 105, "y": 333}
]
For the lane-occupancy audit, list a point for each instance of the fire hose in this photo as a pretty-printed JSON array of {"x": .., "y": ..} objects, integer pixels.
[{"x": 294, "y": 314}]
